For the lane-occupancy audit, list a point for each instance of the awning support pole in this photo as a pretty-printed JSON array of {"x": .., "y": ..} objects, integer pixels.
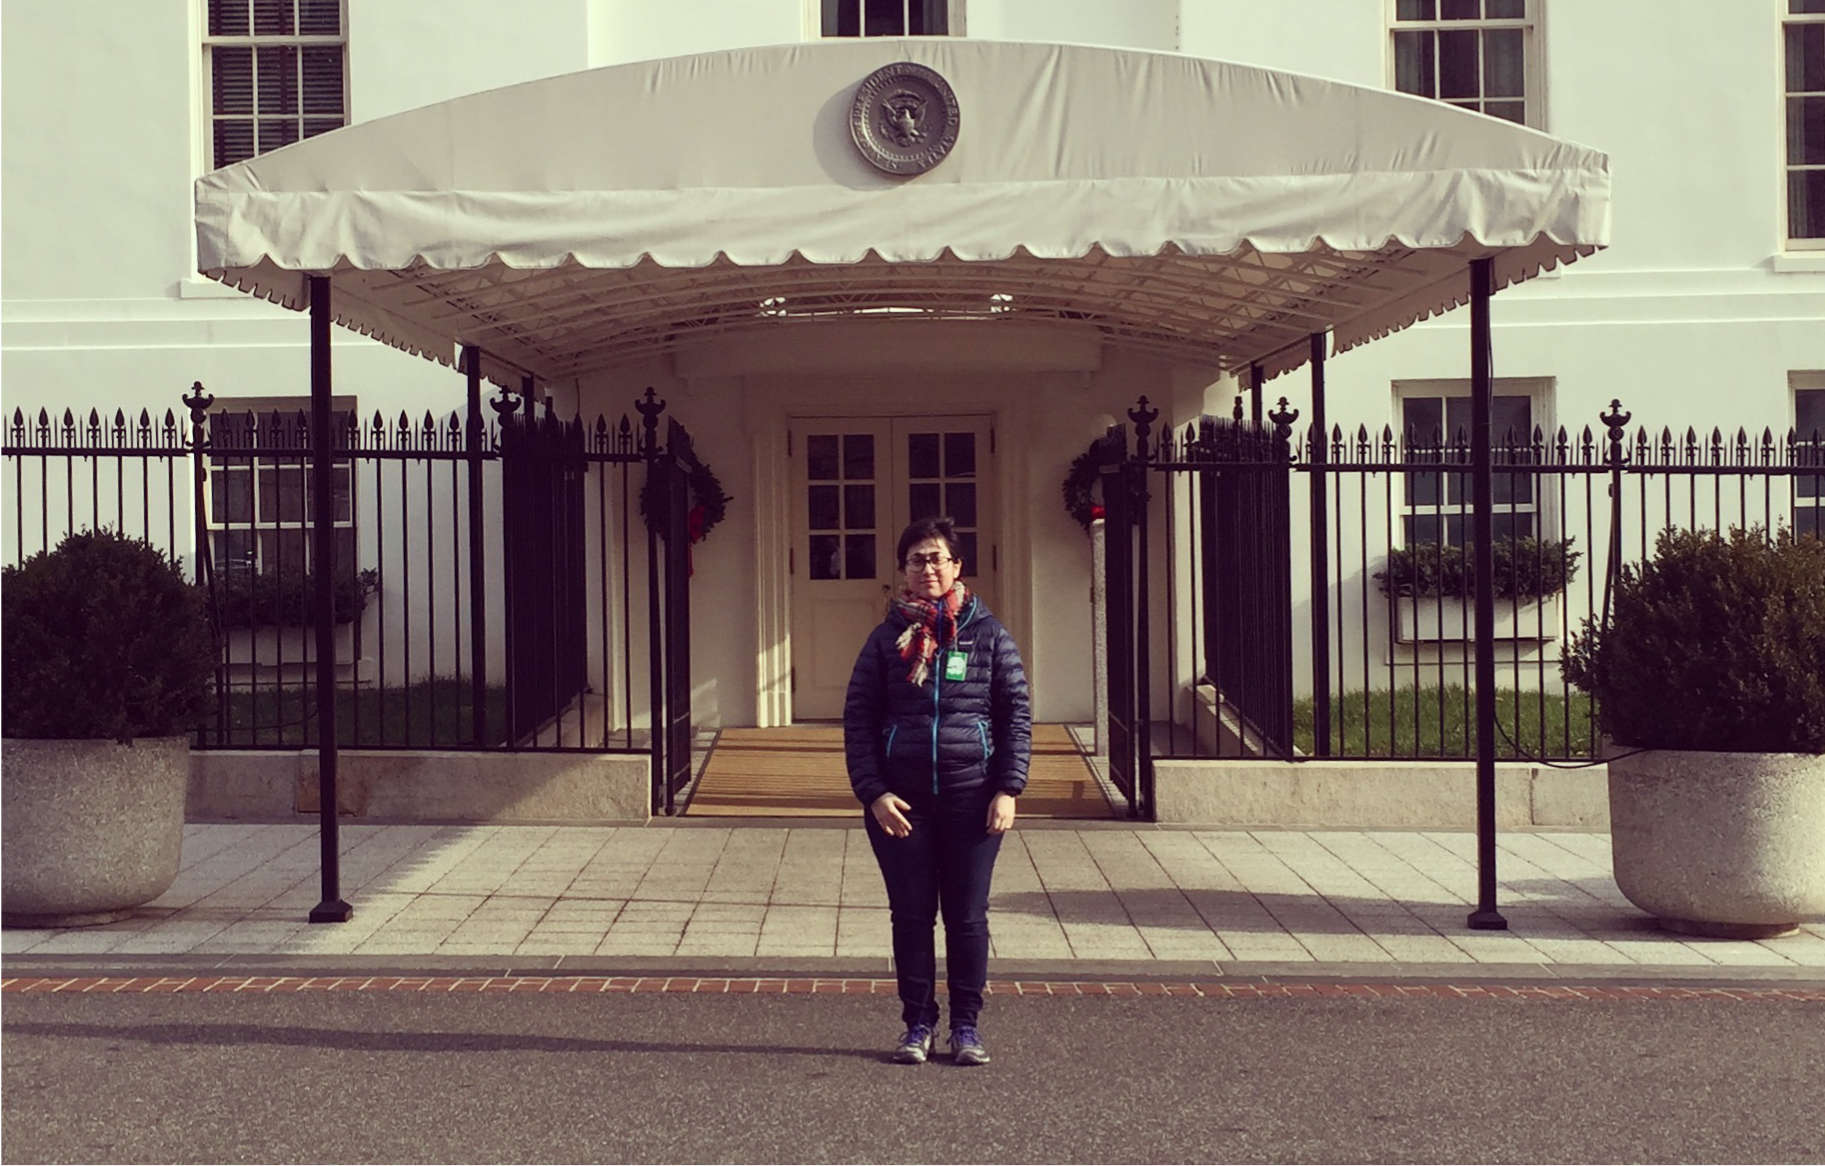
[
  {"x": 1321, "y": 563},
  {"x": 478, "y": 579},
  {"x": 1482, "y": 399},
  {"x": 1254, "y": 394},
  {"x": 323, "y": 582}
]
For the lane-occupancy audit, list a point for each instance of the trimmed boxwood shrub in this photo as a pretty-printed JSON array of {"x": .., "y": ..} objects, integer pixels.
[
  {"x": 1715, "y": 643},
  {"x": 1525, "y": 568},
  {"x": 103, "y": 638}
]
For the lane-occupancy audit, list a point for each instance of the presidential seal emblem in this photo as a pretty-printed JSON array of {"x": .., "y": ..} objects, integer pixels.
[{"x": 904, "y": 118}]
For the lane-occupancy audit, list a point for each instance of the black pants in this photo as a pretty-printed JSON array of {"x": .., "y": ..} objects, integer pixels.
[{"x": 946, "y": 862}]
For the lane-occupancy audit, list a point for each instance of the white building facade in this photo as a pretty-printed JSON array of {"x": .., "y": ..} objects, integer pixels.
[{"x": 1708, "y": 309}]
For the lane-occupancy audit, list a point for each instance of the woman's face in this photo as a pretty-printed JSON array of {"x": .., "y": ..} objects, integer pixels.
[{"x": 930, "y": 570}]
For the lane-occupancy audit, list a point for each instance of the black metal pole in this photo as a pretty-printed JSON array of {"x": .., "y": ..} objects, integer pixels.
[
  {"x": 478, "y": 578},
  {"x": 1143, "y": 418},
  {"x": 1321, "y": 561},
  {"x": 1254, "y": 394},
  {"x": 323, "y": 581},
  {"x": 1482, "y": 397},
  {"x": 650, "y": 408}
]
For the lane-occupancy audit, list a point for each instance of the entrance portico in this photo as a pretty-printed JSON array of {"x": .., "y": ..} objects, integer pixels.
[{"x": 1174, "y": 221}]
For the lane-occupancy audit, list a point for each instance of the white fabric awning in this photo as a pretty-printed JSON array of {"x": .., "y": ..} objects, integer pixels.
[{"x": 1209, "y": 210}]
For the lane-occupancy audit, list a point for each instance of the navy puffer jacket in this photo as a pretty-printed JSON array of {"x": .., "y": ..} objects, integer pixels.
[{"x": 945, "y": 736}]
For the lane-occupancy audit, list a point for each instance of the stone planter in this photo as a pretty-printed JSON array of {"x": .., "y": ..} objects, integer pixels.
[
  {"x": 1430, "y": 620},
  {"x": 92, "y": 829},
  {"x": 1721, "y": 844}
]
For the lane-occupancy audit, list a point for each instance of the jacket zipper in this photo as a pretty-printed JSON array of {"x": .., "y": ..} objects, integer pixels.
[{"x": 938, "y": 684}]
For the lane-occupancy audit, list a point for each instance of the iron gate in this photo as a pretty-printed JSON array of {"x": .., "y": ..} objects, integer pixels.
[{"x": 1225, "y": 488}]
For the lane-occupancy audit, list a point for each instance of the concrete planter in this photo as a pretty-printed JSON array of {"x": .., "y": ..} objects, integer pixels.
[
  {"x": 92, "y": 829},
  {"x": 1721, "y": 844}
]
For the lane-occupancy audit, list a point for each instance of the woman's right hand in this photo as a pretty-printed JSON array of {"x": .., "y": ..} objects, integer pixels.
[{"x": 887, "y": 811}]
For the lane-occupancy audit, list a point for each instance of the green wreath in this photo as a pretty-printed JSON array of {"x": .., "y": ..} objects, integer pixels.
[
  {"x": 708, "y": 504},
  {"x": 1086, "y": 468}
]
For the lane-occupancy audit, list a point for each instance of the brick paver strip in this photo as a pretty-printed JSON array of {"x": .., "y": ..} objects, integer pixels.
[{"x": 857, "y": 987}]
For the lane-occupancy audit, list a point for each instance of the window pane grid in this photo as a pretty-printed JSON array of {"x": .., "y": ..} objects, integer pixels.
[
  {"x": 276, "y": 69},
  {"x": 260, "y": 507},
  {"x": 1804, "y": 89},
  {"x": 1473, "y": 54}
]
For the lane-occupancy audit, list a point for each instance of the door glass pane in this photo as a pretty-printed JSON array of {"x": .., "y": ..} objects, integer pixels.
[
  {"x": 922, "y": 455},
  {"x": 968, "y": 539},
  {"x": 859, "y": 556},
  {"x": 821, "y": 507},
  {"x": 1459, "y": 9},
  {"x": 1505, "y": 9},
  {"x": 1416, "y": 10},
  {"x": 960, "y": 501},
  {"x": 820, "y": 457},
  {"x": 858, "y": 456},
  {"x": 826, "y": 556},
  {"x": 922, "y": 501},
  {"x": 960, "y": 455},
  {"x": 858, "y": 507}
]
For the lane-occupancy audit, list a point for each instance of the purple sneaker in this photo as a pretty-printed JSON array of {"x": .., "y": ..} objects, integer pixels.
[
  {"x": 966, "y": 1046},
  {"x": 915, "y": 1046}
]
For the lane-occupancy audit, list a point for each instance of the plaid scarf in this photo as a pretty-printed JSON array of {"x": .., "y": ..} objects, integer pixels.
[{"x": 918, "y": 644}]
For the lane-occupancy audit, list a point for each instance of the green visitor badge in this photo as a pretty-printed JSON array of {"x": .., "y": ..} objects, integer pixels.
[{"x": 955, "y": 664}]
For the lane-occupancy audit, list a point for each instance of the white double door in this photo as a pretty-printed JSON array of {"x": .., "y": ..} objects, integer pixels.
[{"x": 857, "y": 482}]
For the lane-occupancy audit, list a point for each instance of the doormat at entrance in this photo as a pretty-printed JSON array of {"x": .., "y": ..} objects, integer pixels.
[{"x": 798, "y": 772}]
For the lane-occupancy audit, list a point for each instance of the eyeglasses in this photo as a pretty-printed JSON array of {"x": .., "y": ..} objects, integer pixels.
[{"x": 923, "y": 562}]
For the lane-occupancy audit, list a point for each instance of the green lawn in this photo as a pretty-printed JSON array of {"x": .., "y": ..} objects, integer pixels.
[
  {"x": 1446, "y": 719},
  {"x": 431, "y": 713}
]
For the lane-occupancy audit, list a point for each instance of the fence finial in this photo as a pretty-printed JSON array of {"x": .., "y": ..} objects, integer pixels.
[
  {"x": 1283, "y": 418},
  {"x": 199, "y": 402}
]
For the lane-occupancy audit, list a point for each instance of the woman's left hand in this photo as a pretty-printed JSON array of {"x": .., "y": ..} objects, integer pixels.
[{"x": 1001, "y": 813}]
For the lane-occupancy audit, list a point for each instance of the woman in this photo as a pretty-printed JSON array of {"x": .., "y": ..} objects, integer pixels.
[{"x": 937, "y": 733}]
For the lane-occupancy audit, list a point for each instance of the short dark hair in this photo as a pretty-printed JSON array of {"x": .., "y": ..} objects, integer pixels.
[{"x": 921, "y": 529}]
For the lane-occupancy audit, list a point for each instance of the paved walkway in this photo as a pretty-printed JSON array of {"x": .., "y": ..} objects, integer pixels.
[{"x": 1083, "y": 900}]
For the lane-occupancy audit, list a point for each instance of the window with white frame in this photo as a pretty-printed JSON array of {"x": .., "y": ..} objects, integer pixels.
[
  {"x": 1435, "y": 427},
  {"x": 261, "y": 503},
  {"x": 1476, "y": 54},
  {"x": 277, "y": 74},
  {"x": 1803, "y": 44},
  {"x": 1809, "y": 452},
  {"x": 887, "y": 17}
]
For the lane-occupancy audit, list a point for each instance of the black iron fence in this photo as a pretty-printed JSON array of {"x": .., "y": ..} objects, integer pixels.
[
  {"x": 494, "y": 588},
  {"x": 1214, "y": 629}
]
